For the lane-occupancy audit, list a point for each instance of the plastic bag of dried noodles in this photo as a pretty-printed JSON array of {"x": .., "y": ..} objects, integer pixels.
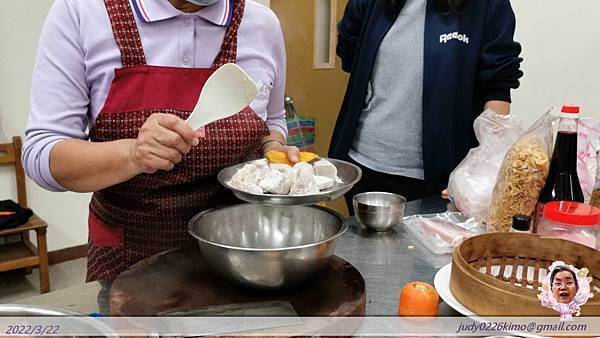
[{"x": 522, "y": 175}]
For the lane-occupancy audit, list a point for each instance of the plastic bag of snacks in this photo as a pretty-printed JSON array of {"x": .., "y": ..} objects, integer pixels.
[
  {"x": 471, "y": 183},
  {"x": 522, "y": 175}
]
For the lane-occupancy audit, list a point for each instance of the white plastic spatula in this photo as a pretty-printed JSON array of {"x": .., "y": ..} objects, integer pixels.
[{"x": 226, "y": 92}]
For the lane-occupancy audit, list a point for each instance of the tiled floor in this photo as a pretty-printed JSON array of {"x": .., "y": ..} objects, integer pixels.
[{"x": 15, "y": 285}]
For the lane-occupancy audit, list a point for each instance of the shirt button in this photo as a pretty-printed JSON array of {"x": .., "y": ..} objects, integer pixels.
[
  {"x": 186, "y": 60},
  {"x": 190, "y": 21}
]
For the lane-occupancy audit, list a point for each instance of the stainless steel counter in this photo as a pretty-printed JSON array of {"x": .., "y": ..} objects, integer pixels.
[{"x": 387, "y": 261}]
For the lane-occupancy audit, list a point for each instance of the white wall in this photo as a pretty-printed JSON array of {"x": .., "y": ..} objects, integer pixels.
[
  {"x": 20, "y": 27},
  {"x": 561, "y": 48},
  {"x": 561, "y": 52}
]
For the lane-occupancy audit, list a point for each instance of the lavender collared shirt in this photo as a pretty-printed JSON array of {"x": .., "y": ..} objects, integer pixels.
[{"x": 77, "y": 55}]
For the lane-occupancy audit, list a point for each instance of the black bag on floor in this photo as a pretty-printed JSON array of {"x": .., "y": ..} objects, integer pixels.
[{"x": 13, "y": 215}]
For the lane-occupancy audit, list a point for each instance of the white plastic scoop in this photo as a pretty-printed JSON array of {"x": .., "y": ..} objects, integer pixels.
[{"x": 226, "y": 92}]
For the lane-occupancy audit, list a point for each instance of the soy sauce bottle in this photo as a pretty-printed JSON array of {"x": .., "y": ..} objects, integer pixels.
[{"x": 562, "y": 183}]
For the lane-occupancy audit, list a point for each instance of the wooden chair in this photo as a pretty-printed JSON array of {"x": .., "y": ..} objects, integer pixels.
[{"x": 23, "y": 254}]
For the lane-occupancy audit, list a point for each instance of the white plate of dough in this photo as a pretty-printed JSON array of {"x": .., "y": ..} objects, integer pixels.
[{"x": 348, "y": 175}]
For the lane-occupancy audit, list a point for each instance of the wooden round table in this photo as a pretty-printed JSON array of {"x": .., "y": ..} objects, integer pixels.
[{"x": 181, "y": 280}]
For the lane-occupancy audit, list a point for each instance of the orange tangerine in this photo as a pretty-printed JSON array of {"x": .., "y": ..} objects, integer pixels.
[{"x": 418, "y": 299}]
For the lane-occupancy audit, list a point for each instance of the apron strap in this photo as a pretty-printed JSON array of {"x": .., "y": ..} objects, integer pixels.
[
  {"x": 126, "y": 32},
  {"x": 228, "y": 53}
]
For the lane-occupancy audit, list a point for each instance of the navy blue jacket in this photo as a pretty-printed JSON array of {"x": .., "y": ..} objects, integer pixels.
[{"x": 469, "y": 59}]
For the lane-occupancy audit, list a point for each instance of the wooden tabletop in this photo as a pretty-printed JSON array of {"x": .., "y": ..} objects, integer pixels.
[{"x": 182, "y": 280}]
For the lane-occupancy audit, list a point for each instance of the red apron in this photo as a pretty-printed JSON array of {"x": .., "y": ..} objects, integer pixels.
[{"x": 149, "y": 213}]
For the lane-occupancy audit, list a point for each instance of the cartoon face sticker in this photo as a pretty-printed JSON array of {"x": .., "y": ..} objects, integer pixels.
[
  {"x": 565, "y": 289},
  {"x": 564, "y": 285}
]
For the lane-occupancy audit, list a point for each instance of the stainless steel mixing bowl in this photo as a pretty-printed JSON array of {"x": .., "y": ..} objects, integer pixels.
[
  {"x": 267, "y": 246},
  {"x": 379, "y": 211}
]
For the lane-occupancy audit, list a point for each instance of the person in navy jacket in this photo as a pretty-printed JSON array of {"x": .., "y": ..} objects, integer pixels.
[{"x": 421, "y": 71}]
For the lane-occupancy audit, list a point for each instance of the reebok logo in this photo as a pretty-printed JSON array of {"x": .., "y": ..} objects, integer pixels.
[{"x": 444, "y": 38}]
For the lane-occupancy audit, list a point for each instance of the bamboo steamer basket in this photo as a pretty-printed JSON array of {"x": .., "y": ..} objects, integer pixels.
[{"x": 487, "y": 273}]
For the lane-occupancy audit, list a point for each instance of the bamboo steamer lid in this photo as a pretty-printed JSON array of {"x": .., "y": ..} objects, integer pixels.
[{"x": 487, "y": 273}]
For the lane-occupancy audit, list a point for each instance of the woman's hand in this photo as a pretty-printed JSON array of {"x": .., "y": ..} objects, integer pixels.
[
  {"x": 162, "y": 141},
  {"x": 291, "y": 151},
  {"x": 275, "y": 141}
]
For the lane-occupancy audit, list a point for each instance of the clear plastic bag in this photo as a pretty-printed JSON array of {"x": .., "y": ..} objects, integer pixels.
[
  {"x": 588, "y": 148},
  {"x": 472, "y": 182},
  {"x": 442, "y": 233},
  {"x": 522, "y": 175}
]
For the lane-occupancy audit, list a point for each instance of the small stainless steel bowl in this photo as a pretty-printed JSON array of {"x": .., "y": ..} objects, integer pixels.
[
  {"x": 379, "y": 211},
  {"x": 267, "y": 246}
]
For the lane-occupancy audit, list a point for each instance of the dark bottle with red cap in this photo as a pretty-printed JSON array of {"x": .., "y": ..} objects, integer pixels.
[{"x": 562, "y": 183}]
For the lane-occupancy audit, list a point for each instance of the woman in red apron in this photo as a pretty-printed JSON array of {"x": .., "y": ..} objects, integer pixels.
[{"x": 175, "y": 172}]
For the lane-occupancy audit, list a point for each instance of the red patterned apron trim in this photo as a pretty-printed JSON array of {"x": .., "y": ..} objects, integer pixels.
[
  {"x": 105, "y": 262},
  {"x": 122, "y": 20},
  {"x": 228, "y": 51}
]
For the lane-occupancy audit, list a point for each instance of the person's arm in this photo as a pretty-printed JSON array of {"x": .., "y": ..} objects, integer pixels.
[
  {"x": 499, "y": 69},
  {"x": 349, "y": 29},
  {"x": 59, "y": 93},
  {"x": 276, "y": 141},
  {"x": 83, "y": 166},
  {"x": 104, "y": 164},
  {"x": 55, "y": 153}
]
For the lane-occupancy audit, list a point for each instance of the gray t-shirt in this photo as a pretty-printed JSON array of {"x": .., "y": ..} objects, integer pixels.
[{"x": 388, "y": 138}]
